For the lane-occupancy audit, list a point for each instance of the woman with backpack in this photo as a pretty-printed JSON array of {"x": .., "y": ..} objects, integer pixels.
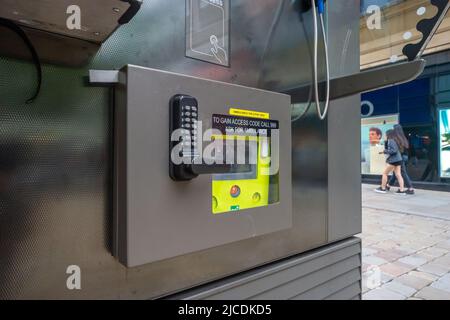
[
  {"x": 400, "y": 138},
  {"x": 393, "y": 164}
]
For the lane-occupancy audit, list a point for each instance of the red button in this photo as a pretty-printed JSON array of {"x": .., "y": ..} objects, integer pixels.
[{"x": 235, "y": 191}]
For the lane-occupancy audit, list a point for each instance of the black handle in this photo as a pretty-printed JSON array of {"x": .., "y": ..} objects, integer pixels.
[
  {"x": 199, "y": 169},
  {"x": 186, "y": 172},
  {"x": 183, "y": 115},
  {"x": 135, "y": 5}
]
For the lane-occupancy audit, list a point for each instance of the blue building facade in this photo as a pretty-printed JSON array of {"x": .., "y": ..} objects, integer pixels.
[{"x": 422, "y": 107}]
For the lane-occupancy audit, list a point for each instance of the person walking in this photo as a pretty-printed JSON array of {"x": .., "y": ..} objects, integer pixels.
[
  {"x": 402, "y": 141},
  {"x": 393, "y": 164}
]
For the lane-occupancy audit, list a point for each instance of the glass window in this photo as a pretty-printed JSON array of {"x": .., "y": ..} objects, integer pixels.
[
  {"x": 444, "y": 147},
  {"x": 386, "y": 26},
  {"x": 422, "y": 108},
  {"x": 373, "y": 131}
]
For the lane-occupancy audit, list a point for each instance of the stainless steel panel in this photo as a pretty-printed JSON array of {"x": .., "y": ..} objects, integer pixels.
[
  {"x": 52, "y": 48},
  {"x": 344, "y": 167},
  {"x": 366, "y": 81},
  {"x": 261, "y": 38},
  {"x": 56, "y": 156},
  {"x": 344, "y": 130},
  {"x": 98, "y": 18},
  {"x": 164, "y": 218}
]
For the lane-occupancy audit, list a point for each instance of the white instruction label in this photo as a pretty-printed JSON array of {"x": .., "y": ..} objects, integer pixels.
[{"x": 207, "y": 30}]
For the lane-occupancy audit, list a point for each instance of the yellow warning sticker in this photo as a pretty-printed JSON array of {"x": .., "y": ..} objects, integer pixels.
[{"x": 249, "y": 113}]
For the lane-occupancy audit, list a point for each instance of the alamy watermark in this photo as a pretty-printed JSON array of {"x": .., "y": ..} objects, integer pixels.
[
  {"x": 374, "y": 17},
  {"x": 373, "y": 279},
  {"x": 73, "y": 21},
  {"x": 73, "y": 281},
  {"x": 236, "y": 147}
]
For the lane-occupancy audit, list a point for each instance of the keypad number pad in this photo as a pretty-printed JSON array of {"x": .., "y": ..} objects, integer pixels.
[{"x": 184, "y": 116}]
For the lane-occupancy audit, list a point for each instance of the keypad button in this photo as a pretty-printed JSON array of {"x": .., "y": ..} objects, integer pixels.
[{"x": 194, "y": 114}]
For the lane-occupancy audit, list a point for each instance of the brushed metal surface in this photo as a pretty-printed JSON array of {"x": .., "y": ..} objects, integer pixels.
[
  {"x": 162, "y": 218},
  {"x": 55, "y": 49},
  {"x": 56, "y": 156},
  {"x": 98, "y": 18},
  {"x": 344, "y": 130},
  {"x": 366, "y": 81}
]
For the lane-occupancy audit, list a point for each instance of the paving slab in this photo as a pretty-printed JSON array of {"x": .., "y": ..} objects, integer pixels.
[
  {"x": 396, "y": 269},
  {"x": 388, "y": 255},
  {"x": 414, "y": 281},
  {"x": 382, "y": 294},
  {"x": 442, "y": 283},
  {"x": 433, "y": 252},
  {"x": 408, "y": 238},
  {"x": 367, "y": 251},
  {"x": 427, "y": 276},
  {"x": 434, "y": 268},
  {"x": 430, "y": 293},
  {"x": 400, "y": 288},
  {"x": 443, "y": 245},
  {"x": 413, "y": 260},
  {"x": 424, "y": 203},
  {"x": 374, "y": 260}
]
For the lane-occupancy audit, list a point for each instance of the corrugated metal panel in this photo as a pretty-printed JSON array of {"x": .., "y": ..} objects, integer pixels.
[
  {"x": 352, "y": 292},
  {"x": 357, "y": 297},
  {"x": 330, "y": 281},
  {"x": 331, "y": 272}
]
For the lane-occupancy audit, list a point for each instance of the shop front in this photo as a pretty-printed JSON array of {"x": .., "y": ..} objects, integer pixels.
[{"x": 422, "y": 108}]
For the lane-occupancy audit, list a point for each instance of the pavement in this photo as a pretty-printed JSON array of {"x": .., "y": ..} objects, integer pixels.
[{"x": 406, "y": 245}]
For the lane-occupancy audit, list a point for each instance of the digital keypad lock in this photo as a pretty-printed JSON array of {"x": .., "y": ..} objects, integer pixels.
[
  {"x": 184, "y": 122},
  {"x": 184, "y": 117}
]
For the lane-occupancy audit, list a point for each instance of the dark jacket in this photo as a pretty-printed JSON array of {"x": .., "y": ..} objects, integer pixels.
[{"x": 393, "y": 152}]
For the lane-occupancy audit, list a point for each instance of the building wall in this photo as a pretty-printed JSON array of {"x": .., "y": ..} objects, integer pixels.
[
  {"x": 380, "y": 46},
  {"x": 417, "y": 105}
]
